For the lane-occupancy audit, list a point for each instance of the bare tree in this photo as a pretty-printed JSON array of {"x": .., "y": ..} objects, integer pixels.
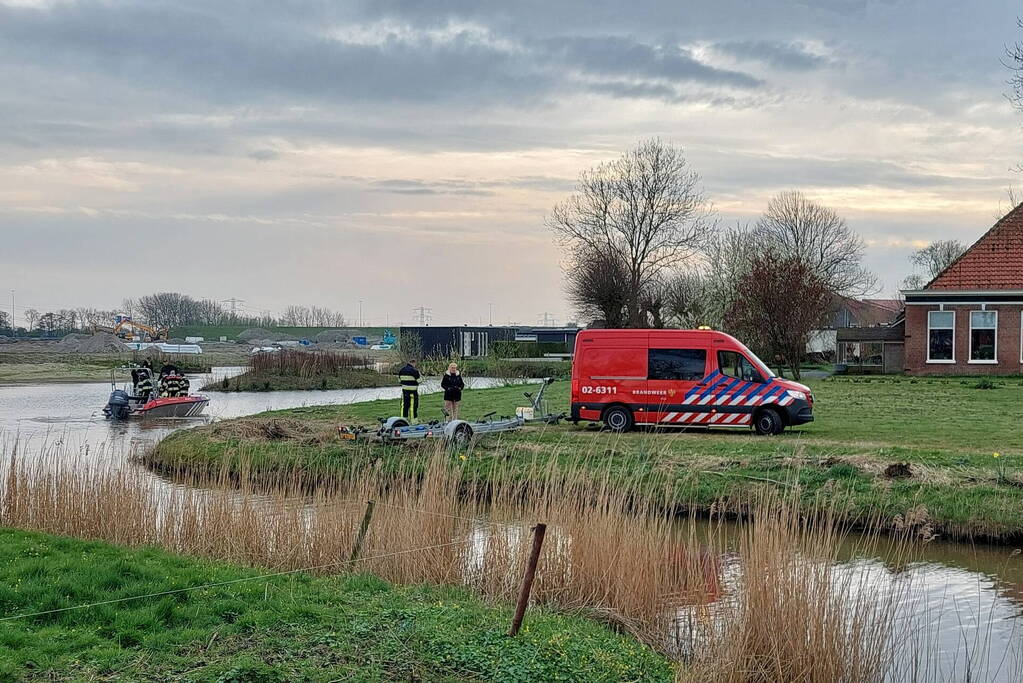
[
  {"x": 782, "y": 300},
  {"x": 729, "y": 255},
  {"x": 795, "y": 227},
  {"x": 596, "y": 288},
  {"x": 31, "y": 317},
  {"x": 5, "y": 321},
  {"x": 645, "y": 209},
  {"x": 937, "y": 256},
  {"x": 914, "y": 281},
  {"x": 1014, "y": 56},
  {"x": 688, "y": 300}
]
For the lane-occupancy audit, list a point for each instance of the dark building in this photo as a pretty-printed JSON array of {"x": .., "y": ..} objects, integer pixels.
[
  {"x": 871, "y": 350},
  {"x": 549, "y": 335},
  {"x": 446, "y": 342}
]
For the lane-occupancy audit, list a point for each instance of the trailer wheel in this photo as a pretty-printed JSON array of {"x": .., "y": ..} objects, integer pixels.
[
  {"x": 768, "y": 422},
  {"x": 399, "y": 423},
  {"x": 462, "y": 436},
  {"x": 618, "y": 419}
]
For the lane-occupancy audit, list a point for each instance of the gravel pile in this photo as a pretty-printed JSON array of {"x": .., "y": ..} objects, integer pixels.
[
  {"x": 333, "y": 336},
  {"x": 96, "y": 343}
]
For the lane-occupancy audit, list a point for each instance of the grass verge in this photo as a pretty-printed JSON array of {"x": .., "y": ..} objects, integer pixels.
[{"x": 297, "y": 627}]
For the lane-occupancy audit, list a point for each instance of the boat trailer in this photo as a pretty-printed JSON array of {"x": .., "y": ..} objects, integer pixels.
[{"x": 396, "y": 429}]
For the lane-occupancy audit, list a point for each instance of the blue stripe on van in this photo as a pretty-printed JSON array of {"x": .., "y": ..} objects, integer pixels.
[
  {"x": 711, "y": 388},
  {"x": 698, "y": 389}
]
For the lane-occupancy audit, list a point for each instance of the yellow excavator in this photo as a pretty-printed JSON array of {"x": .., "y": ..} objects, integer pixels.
[{"x": 130, "y": 330}]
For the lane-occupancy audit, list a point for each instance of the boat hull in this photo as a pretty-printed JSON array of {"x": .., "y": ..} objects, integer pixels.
[{"x": 173, "y": 406}]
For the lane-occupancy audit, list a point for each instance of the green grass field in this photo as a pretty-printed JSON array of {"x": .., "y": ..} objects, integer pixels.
[
  {"x": 947, "y": 431},
  {"x": 215, "y": 332},
  {"x": 295, "y": 627}
]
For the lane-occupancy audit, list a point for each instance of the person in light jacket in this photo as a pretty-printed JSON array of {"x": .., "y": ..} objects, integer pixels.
[{"x": 452, "y": 385}]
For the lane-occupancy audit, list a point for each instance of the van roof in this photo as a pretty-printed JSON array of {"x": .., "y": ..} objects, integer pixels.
[{"x": 703, "y": 335}]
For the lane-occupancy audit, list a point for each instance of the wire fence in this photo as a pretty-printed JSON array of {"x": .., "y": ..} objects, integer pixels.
[{"x": 216, "y": 584}]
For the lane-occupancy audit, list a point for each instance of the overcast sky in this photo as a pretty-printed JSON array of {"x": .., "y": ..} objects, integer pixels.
[{"x": 405, "y": 153}]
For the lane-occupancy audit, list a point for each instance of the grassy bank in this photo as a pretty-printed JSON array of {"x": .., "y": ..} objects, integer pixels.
[
  {"x": 261, "y": 381},
  {"x": 294, "y": 627},
  {"x": 946, "y": 433},
  {"x": 294, "y": 369}
]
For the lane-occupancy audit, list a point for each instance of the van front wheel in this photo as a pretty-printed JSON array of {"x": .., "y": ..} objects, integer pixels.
[
  {"x": 619, "y": 419},
  {"x": 768, "y": 422}
]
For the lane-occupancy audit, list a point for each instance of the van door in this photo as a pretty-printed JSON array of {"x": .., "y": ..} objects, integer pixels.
[
  {"x": 743, "y": 385},
  {"x": 674, "y": 373},
  {"x": 613, "y": 369}
]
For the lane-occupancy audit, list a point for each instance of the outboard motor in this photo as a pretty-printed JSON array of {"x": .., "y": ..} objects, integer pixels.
[{"x": 117, "y": 407}]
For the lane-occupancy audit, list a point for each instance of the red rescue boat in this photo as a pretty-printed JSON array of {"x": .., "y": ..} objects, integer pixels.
[
  {"x": 131, "y": 401},
  {"x": 173, "y": 406}
]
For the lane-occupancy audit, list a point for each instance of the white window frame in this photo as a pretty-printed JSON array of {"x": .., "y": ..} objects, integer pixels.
[
  {"x": 969, "y": 359},
  {"x": 928, "y": 341}
]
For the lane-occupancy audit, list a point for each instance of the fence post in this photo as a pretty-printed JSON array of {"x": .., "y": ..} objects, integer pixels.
[
  {"x": 357, "y": 548},
  {"x": 539, "y": 531}
]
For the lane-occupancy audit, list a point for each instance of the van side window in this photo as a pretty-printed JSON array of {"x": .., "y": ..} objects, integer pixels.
[
  {"x": 734, "y": 364},
  {"x": 677, "y": 364}
]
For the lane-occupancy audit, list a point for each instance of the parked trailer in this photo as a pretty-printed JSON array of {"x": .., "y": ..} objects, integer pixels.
[{"x": 459, "y": 432}]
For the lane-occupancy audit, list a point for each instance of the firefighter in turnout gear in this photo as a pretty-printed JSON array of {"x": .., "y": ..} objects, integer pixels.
[
  {"x": 409, "y": 378},
  {"x": 144, "y": 385},
  {"x": 171, "y": 385},
  {"x": 184, "y": 386}
]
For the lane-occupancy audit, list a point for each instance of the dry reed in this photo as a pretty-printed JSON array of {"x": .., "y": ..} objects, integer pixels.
[
  {"x": 773, "y": 608},
  {"x": 294, "y": 363}
]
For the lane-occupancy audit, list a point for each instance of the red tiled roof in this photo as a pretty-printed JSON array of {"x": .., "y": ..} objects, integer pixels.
[{"x": 995, "y": 261}]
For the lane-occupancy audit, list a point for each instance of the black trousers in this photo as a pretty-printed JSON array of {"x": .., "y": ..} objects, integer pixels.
[{"x": 410, "y": 404}]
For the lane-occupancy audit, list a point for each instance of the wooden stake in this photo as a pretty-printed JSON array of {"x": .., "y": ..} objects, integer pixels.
[
  {"x": 357, "y": 548},
  {"x": 539, "y": 531}
]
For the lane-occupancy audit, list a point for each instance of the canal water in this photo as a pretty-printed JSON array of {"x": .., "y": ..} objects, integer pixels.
[
  {"x": 965, "y": 602},
  {"x": 73, "y": 413}
]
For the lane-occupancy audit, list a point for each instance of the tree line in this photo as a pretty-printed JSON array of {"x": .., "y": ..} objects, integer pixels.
[
  {"x": 643, "y": 249},
  {"x": 167, "y": 309}
]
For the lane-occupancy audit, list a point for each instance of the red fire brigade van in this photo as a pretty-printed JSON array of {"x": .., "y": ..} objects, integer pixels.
[{"x": 680, "y": 377}]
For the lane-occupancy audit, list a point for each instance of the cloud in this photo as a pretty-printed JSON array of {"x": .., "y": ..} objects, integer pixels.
[
  {"x": 789, "y": 56},
  {"x": 610, "y": 55}
]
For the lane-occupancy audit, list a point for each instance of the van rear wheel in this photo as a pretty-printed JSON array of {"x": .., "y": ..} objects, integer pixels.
[
  {"x": 768, "y": 422},
  {"x": 618, "y": 419}
]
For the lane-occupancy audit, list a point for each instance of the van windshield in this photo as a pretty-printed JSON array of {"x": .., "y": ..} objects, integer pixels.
[{"x": 761, "y": 365}]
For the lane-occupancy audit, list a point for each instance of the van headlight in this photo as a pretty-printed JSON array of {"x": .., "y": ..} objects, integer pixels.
[{"x": 799, "y": 395}]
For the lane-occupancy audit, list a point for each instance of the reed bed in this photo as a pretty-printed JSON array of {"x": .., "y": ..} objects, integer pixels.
[
  {"x": 765, "y": 605},
  {"x": 295, "y": 363}
]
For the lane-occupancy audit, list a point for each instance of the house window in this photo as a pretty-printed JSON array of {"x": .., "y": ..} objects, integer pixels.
[
  {"x": 983, "y": 336},
  {"x": 941, "y": 333},
  {"x": 873, "y": 354}
]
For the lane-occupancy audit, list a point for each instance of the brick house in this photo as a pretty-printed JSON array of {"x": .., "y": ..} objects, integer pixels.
[{"x": 967, "y": 320}]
